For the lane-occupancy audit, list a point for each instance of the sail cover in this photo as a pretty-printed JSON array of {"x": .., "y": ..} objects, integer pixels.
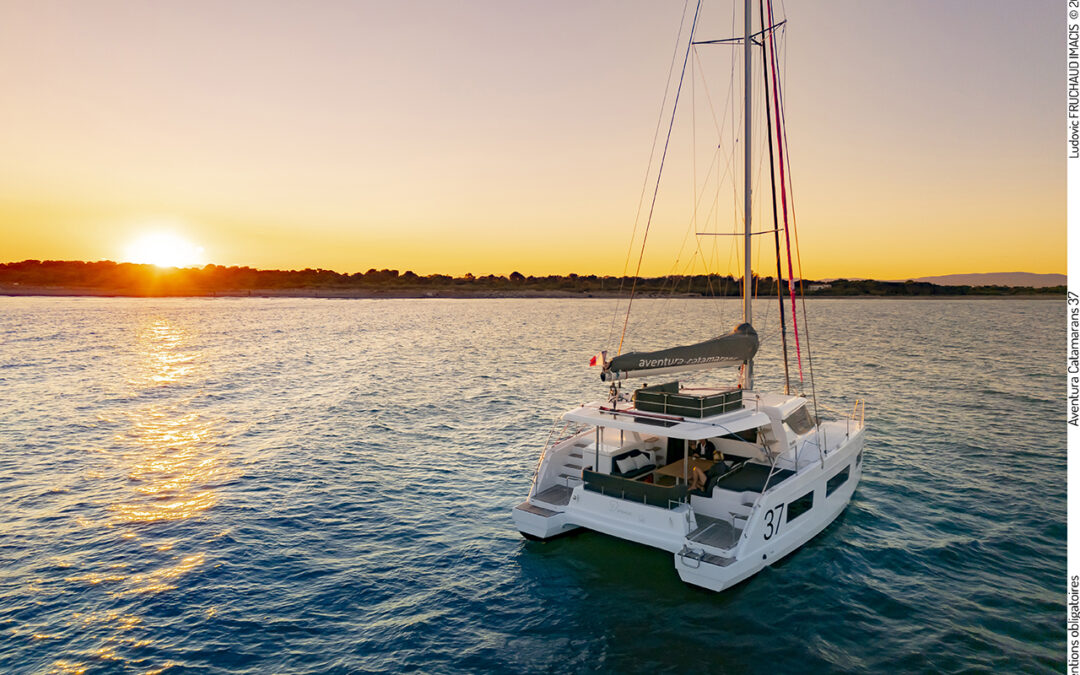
[{"x": 732, "y": 349}]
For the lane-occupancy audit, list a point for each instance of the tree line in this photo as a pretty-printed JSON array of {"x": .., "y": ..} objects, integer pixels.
[{"x": 136, "y": 279}]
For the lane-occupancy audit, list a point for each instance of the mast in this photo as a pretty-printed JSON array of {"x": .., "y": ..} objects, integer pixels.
[{"x": 748, "y": 379}]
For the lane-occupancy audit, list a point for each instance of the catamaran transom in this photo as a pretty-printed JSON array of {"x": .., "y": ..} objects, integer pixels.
[{"x": 728, "y": 479}]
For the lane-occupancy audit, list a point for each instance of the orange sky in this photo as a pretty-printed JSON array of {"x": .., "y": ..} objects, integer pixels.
[{"x": 500, "y": 136}]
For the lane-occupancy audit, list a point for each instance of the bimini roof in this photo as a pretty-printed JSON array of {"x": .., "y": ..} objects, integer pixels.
[
  {"x": 733, "y": 349},
  {"x": 671, "y": 426}
]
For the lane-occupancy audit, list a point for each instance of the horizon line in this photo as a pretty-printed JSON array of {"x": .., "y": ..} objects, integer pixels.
[{"x": 467, "y": 275}]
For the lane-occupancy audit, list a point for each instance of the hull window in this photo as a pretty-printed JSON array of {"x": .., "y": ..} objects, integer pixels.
[
  {"x": 800, "y": 506},
  {"x": 837, "y": 480}
]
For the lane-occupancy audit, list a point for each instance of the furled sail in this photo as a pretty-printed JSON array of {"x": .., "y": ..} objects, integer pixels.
[{"x": 732, "y": 349}]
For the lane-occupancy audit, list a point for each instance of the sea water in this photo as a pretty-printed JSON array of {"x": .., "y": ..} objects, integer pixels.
[{"x": 304, "y": 485}]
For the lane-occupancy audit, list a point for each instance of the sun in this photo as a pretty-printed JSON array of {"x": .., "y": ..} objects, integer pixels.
[{"x": 165, "y": 249}]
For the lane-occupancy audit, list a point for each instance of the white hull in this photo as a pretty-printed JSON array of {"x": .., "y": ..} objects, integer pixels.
[
  {"x": 755, "y": 552},
  {"x": 717, "y": 541},
  {"x": 656, "y": 471}
]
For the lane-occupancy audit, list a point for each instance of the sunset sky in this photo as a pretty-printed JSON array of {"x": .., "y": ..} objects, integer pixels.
[{"x": 487, "y": 137}]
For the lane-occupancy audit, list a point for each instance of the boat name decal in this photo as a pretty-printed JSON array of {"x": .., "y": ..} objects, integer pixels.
[{"x": 669, "y": 361}]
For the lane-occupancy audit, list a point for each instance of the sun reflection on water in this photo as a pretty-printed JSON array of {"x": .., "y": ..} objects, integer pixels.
[
  {"x": 161, "y": 579},
  {"x": 161, "y": 344},
  {"x": 170, "y": 459},
  {"x": 173, "y": 451},
  {"x": 68, "y": 668}
]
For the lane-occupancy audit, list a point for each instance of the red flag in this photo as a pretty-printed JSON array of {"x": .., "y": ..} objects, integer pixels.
[{"x": 600, "y": 358}]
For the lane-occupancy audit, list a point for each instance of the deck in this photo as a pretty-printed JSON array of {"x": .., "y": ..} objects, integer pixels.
[
  {"x": 752, "y": 477},
  {"x": 536, "y": 510},
  {"x": 714, "y": 532},
  {"x": 558, "y": 495}
]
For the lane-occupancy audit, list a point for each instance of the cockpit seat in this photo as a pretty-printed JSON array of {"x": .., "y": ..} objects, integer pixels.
[{"x": 632, "y": 464}]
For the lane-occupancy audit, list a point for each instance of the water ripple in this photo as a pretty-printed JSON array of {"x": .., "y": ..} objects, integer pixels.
[{"x": 256, "y": 485}]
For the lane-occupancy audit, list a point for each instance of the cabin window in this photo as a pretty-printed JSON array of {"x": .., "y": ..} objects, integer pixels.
[
  {"x": 837, "y": 480},
  {"x": 799, "y": 421},
  {"x": 800, "y": 506},
  {"x": 858, "y": 460}
]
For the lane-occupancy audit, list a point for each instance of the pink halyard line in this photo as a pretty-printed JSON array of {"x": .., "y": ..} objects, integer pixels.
[{"x": 783, "y": 193}]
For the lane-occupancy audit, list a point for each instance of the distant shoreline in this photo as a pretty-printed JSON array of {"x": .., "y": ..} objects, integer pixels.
[
  {"x": 330, "y": 293},
  {"x": 445, "y": 294},
  {"x": 105, "y": 278}
]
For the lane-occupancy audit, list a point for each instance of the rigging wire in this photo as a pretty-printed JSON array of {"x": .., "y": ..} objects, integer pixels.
[
  {"x": 673, "y": 275},
  {"x": 783, "y": 192},
  {"x": 648, "y": 167},
  {"x": 714, "y": 213},
  {"x": 757, "y": 181},
  {"x": 714, "y": 209},
  {"x": 798, "y": 255},
  {"x": 693, "y": 136},
  {"x": 736, "y": 110},
  {"x": 776, "y": 221},
  {"x": 673, "y": 278},
  {"x": 659, "y": 173},
  {"x": 690, "y": 229}
]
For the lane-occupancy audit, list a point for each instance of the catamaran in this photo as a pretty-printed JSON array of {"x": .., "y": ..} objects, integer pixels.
[{"x": 727, "y": 478}]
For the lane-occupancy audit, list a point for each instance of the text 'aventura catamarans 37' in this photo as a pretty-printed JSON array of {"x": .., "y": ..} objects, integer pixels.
[{"x": 727, "y": 478}]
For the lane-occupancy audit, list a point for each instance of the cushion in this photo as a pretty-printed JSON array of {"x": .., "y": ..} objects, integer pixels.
[
  {"x": 626, "y": 464},
  {"x": 718, "y": 469},
  {"x": 641, "y": 461}
]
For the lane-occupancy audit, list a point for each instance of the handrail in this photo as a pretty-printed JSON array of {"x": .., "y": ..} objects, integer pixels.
[
  {"x": 554, "y": 439},
  {"x": 543, "y": 454},
  {"x": 858, "y": 414},
  {"x": 859, "y": 411},
  {"x": 690, "y": 553},
  {"x": 824, "y": 448}
]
